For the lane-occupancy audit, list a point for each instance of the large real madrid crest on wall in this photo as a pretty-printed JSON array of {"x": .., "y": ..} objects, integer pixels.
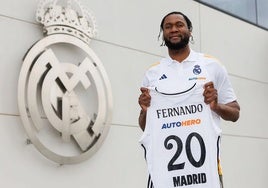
[{"x": 64, "y": 94}]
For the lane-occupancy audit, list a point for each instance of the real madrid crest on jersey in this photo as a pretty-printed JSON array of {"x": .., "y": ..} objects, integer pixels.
[
  {"x": 64, "y": 94},
  {"x": 197, "y": 70}
]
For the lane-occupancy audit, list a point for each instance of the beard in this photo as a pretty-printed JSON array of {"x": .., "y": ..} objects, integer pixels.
[{"x": 179, "y": 45}]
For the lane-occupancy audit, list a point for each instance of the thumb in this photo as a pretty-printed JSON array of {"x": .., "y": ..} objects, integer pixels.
[{"x": 144, "y": 89}]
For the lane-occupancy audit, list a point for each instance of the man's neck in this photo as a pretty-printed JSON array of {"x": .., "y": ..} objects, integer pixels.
[{"x": 179, "y": 55}]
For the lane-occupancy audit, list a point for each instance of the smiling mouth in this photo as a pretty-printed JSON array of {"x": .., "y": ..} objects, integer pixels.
[{"x": 175, "y": 38}]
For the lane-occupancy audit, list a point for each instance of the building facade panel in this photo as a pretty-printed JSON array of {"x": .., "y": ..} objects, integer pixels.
[
  {"x": 242, "y": 158},
  {"x": 222, "y": 31}
]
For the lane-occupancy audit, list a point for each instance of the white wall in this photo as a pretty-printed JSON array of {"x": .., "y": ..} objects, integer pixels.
[
  {"x": 127, "y": 45},
  {"x": 242, "y": 48}
]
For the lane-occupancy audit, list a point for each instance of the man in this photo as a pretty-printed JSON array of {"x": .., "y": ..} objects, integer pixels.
[{"x": 181, "y": 74}]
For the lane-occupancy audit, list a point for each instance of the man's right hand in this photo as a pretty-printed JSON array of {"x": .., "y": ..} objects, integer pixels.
[
  {"x": 144, "y": 102},
  {"x": 144, "y": 99}
]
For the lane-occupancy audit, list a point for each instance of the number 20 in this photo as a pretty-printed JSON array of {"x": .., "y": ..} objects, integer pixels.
[{"x": 199, "y": 163}]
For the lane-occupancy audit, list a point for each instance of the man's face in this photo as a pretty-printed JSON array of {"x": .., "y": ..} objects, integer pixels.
[{"x": 175, "y": 32}]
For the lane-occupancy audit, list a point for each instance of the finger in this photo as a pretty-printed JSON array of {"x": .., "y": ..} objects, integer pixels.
[
  {"x": 211, "y": 95},
  {"x": 144, "y": 89},
  {"x": 145, "y": 98},
  {"x": 144, "y": 104},
  {"x": 209, "y": 85},
  {"x": 144, "y": 107},
  {"x": 210, "y": 98}
]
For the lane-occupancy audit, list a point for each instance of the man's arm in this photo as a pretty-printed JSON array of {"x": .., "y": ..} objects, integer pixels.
[
  {"x": 229, "y": 111},
  {"x": 144, "y": 102},
  {"x": 142, "y": 119}
]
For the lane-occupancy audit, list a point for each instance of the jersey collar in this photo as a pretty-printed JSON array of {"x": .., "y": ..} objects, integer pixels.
[{"x": 191, "y": 58}]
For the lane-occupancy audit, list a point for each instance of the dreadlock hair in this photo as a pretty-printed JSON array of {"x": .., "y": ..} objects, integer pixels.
[{"x": 188, "y": 21}]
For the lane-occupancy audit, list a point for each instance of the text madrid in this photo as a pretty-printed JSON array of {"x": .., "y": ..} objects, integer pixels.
[{"x": 191, "y": 179}]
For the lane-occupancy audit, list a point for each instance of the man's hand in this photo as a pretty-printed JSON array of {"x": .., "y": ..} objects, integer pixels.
[
  {"x": 229, "y": 111},
  {"x": 210, "y": 95},
  {"x": 144, "y": 99},
  {"x": 144, "y": 102}
]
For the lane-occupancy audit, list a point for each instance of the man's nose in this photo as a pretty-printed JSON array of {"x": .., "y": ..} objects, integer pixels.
[{"x": 174, "y": 28}]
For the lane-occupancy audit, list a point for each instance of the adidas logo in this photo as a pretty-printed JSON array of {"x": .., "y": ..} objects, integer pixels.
[{"x": 163, "y": 77}]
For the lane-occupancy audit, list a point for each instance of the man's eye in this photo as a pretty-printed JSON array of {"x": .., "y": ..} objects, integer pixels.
[
  {"x": 180, "y": 25},
  {"x": 167, "y": 26}
]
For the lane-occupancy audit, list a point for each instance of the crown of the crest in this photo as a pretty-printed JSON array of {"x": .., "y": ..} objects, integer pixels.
[{"x": 72, "y": 19}]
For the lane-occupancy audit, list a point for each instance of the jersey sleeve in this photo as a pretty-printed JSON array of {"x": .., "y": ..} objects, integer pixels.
[
  {"x": 221, "y": 80},
  {"x": 226, "y": 92},
  {"x": 151, "y": 76}
]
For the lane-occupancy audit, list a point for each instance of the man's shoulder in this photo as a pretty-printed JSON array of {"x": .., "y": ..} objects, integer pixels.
[
  {"x": 211, "y": 63},
  {"x": 154, "y": 65},
  {"x": 158, "y": 64},
  {"x": 207, "y": 58}
]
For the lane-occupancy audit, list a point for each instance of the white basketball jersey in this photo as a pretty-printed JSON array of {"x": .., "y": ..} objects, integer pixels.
[{"x": 181, "y": 141}]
